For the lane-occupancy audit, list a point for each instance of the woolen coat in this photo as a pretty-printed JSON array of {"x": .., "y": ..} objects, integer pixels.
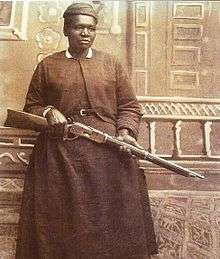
[{"x": 84, "y": 200}]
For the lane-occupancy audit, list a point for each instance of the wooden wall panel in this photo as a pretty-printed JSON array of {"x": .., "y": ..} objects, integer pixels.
[
  {"x": 138, "y": 45},
  {"x": 192, "y": 49},
  {"x": 183, "y": 48}
]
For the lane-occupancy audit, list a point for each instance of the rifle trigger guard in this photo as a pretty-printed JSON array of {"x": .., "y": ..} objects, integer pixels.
[{"x": 65, "y": 134}]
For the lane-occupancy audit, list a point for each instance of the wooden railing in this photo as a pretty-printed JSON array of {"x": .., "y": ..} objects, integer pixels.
[
  {"x": 193, "y": 141},
  {"x": 178, "y": 111},
  {"x": 177, "y": 122}
]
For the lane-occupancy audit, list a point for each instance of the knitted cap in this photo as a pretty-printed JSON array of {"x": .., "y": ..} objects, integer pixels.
[{"x": 80, "y": 8}]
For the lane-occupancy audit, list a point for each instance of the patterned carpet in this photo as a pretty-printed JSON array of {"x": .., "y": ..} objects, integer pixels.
[{"x": 187, "y": 223}]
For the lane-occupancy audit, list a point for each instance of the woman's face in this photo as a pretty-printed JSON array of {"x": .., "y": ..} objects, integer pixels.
[{"x": 81, "y": 31}]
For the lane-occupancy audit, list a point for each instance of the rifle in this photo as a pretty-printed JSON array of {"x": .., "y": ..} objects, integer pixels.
[{"x": 29, "y": 121}]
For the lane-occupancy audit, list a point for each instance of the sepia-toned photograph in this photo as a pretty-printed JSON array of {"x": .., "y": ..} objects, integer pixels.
[{"x": 109, "y": 129}]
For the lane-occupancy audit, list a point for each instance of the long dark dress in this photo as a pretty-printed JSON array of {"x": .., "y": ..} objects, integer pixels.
[{"x": 83, "y": 200}]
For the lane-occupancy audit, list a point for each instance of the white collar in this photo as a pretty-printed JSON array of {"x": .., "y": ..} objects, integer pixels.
[{"x": 89, "y": 54}]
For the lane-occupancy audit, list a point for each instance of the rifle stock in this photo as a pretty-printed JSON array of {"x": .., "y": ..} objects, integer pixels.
[
  {"x": 24, "y": 120},
  {"x": 29, "y": 121}
]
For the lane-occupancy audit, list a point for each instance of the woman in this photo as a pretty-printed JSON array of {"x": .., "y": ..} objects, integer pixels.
[{"x": 83, "y": 199}]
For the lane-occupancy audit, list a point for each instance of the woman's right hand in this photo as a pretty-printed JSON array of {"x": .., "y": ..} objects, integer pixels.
[{"x": 56, "y": 121}]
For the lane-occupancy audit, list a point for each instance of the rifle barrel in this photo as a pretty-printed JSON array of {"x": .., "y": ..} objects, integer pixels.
[{"x": 143, "y": 154}]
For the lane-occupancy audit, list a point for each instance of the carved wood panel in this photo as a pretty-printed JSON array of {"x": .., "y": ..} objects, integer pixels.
[
  {"x": 181, "y": 57},
  {"x": 139, "y": 45},
  {"x": 191, "y": 52},
  {"x": 15, "y": 148}
]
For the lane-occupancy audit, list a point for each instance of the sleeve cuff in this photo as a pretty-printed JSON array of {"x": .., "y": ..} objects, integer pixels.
[{"x": 46, "y": 110}]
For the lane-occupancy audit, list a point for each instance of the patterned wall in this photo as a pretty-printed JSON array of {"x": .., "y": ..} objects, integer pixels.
[{"x": 50, "y": 16}]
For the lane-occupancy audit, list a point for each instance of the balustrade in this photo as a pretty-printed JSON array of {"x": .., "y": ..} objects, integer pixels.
[{"x": 179, "y": 112}]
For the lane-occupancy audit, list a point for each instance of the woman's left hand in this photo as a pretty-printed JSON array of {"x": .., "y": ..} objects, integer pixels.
[{"x": 123, "y": 135}]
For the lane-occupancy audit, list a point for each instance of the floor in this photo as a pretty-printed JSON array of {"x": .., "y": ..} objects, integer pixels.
[{"x": 187, "y": 224}]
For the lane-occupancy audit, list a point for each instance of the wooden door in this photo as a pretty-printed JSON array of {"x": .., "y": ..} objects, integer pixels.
[{"x": 174, "y": 48}]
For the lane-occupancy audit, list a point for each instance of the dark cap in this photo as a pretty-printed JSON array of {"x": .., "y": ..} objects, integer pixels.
[{"x": 80, "y": 8}]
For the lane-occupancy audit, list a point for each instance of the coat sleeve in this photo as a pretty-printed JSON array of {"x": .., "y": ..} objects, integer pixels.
[
  {"x": 128, "y": 109},
  {"x": 35, "y": 102}
]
